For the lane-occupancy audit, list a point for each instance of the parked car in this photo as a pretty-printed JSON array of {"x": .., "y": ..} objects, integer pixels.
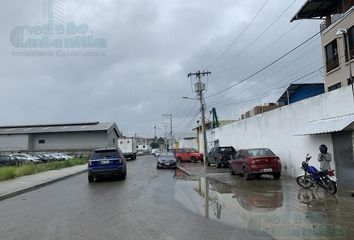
[
  {"x": 107, "y": 162},
  {"x": 156, "y": 152},
  {"x": 220, "y": 156},
  {"x": 255, "y": 162},
  {"x": 166, "y": 160},
  {"x": 57, "y": 156},
  {"x": 188, "y": 154},
  {"x": 25, "y": 158}
]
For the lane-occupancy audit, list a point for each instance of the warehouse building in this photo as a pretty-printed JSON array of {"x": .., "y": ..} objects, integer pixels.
[{"x": 69, "y": 137}]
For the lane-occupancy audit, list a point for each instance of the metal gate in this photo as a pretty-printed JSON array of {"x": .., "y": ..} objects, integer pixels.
[{"x": 343, "y": 156}]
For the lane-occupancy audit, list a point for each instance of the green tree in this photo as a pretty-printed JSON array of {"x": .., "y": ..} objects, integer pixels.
[
  {"x": 155, "y": 145},
  {"x": 161, "y": 140}
]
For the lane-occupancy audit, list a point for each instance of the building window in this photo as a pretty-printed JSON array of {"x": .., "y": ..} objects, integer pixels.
[
  {"x": 350, "y": 82},
  {"x": 331, "y": 56},
  {"x": 334, "y": 87},
  {"x": 114, "y": 140},
  {"x": 41, "y": 141},
  {"x": 351, "y": 44}
]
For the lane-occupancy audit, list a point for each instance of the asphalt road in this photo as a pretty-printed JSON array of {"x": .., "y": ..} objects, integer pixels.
[{"x": 146, "y": 206}]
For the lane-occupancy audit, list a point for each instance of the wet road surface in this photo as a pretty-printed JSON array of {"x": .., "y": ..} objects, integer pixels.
[
  {"x": 279, "y": 208},
  {"x": 150, "y": 204}
]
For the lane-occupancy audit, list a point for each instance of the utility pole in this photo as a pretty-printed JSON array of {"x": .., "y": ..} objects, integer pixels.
[
  {"x": 200, "y": 88},
  {"x": 169, "y": 115},
  {"x": 155, "y": 132}
]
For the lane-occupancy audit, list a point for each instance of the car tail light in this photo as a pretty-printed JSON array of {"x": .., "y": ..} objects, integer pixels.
[
  {"x": 120, "y": 160},
  {"x": 331, "y": 173}
]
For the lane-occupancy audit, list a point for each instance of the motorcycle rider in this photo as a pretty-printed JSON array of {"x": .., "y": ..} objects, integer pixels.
[{"x": 324, "y": 158}]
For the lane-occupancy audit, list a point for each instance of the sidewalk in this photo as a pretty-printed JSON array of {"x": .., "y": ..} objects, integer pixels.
[{"x": 24, "y": 184}]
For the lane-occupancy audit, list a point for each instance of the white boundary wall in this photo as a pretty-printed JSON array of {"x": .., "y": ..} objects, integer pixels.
[{"x": 275, "y": 129}]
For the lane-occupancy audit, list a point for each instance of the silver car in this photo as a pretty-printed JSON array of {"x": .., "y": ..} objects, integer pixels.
[{"x": 166, "y": 160}]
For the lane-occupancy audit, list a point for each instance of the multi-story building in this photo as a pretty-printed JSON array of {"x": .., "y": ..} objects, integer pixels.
[{"x": 337, "y": 38}]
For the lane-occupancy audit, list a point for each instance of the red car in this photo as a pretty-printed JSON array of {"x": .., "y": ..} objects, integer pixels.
[
  {"x": 187, "y": 154},
  {"x": 255, "y": 162}
]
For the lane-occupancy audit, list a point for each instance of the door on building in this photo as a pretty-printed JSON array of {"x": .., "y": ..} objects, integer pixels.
[{"x": 344, "y": 158}]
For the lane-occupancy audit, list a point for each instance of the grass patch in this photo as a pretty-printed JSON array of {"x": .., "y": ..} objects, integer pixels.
[{"x": 7, "y": 173}]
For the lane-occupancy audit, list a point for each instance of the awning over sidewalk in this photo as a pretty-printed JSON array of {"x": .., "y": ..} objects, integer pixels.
[{"x": 329, "y": 125}]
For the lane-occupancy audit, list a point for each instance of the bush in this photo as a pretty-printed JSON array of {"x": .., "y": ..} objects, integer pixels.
[{"x": 7, "y": 173}]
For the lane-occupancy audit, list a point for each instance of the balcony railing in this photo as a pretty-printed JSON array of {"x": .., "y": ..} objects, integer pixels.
[{"x": 334, "y": 18}]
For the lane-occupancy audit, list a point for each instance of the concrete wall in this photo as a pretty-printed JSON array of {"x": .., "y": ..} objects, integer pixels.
[
  {"x": 187, "y": 143},
  {"x": 341, "y": 73},
  {"x": 275, "y": 129},
  {"x": 14, "y": 142},
  {"x": 67, "y": 141}
]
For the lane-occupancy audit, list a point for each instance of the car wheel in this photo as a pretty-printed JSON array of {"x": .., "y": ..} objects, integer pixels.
[
  {"x": 218, "y": 165},
  {"x": 246, "y": 175},
  {"x": 232, "y": 172},
  {"x": 257, "y": 176},
  {"x": 90, "y": 179},
  {"x": 276, "y": 175},
  {"x": 123, "y": 177},
  {"x": 193, "y": 160},
  {"x": 179, "y": 160},
  {"x": 208, "y": 164},
  {"x": 157, "y": 167}
]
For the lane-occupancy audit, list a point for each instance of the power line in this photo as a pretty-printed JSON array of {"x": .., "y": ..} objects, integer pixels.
[
  {"x": 262, "y": 50},
  {"x": 269, "y": 92},
  {"x": 238, "y": 37},
  {"x": 286, "y": 77},
  {"x": 187, "y": 116},
  {"x": 283, "y": 68},
  {"x": 262, "y": 69},
  {"x": 261, "y": 34}
]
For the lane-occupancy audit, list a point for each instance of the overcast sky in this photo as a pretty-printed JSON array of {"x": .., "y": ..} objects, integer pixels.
[{"x": 151, "y": 47}]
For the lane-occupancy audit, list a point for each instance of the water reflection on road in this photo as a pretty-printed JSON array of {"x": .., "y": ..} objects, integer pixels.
[{"x": 267, "y": 207}]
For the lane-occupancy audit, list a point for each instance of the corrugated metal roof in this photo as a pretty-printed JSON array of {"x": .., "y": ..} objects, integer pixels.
[
  {"x": 326, "y": 125},
  {"x": 53, "y": 128}
]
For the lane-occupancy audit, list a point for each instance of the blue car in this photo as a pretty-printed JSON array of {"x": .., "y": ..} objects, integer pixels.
[{"x": 107, "y": 162}]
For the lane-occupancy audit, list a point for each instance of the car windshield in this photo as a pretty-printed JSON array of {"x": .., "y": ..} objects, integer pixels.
[
  {"x": 260, "y": 152},
  {"x": 167, "y": 155},
  {"x": 101, "y": 154}
]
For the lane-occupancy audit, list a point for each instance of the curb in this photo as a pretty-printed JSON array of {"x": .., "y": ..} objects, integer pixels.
[
  {"x": 184, "y": 170},
  {"x": 37, "y": 186}
]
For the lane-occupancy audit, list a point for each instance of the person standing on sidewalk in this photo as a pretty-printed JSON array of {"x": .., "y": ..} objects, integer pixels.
[{"x": 324, "y": 158}]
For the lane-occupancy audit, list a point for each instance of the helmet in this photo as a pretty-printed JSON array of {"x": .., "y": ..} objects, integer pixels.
[{"x": 323, "y": 148}]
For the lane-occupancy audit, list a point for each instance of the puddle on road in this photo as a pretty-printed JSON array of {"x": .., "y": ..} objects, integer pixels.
[{"x": 266, "y": 207}]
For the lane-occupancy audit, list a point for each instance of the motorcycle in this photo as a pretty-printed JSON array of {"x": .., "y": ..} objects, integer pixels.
[{"x": 313, "y": 177}]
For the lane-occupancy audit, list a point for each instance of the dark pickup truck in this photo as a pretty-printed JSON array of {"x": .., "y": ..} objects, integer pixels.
[{"x": 220, "y": 156}]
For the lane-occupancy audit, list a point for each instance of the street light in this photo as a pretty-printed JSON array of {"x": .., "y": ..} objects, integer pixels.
[
  {"x": 191, "y": 98},
  {"x": 343, "y": 32}
]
